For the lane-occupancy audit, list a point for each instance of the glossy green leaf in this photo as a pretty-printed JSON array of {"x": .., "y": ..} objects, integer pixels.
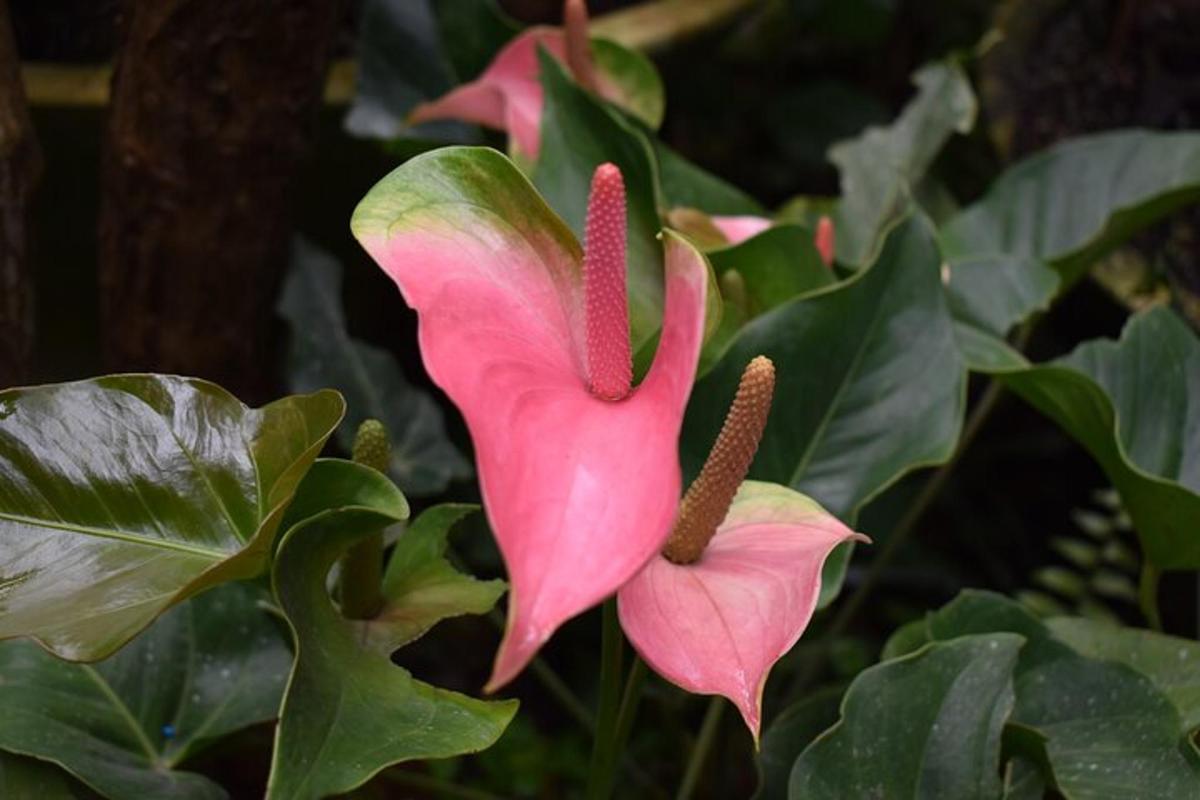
[
  {"x": 349, "y": 711},
  {"x": 123, "y": 726},
  {"x": 420, "y": 585},
  {"x": 787, "y": 737},
  {"x": 24, "y": 778},
  {"x": 924, "y": 726},
  {"x": 1106, "y": 731},
  {"x": 122, "y": 495},
  {"x": 869, "y": 380},
  {"x": 1173, "y": 664},
  {"x": 1135, "y": 405},
  {"x": 880, "y": 168},
  {"x": 1102, "y": 729},
  {"x": 322, "y": 353}
]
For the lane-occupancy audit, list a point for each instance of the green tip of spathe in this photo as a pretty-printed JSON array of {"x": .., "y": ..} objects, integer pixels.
[{"x": 373, "y": 446}]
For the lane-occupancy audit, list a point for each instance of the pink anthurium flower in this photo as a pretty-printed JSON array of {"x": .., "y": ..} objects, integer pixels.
[
  {"x": 529, "y": 337},
  {"x": 508, "y": 95},
  {"x": 737, "y": 229},
  {"x": 738, "y": 581}
]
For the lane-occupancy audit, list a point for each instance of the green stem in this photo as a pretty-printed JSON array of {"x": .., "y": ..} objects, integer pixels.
[
  {"x": 704, "y": 743},
  {"x": 630, "y": 701},
  {"x": 1148, "y": 595},
  {"x": 436, "y": 786},
  {"x": 600, "y": 773},
  {"x": 362, "y": 578}
]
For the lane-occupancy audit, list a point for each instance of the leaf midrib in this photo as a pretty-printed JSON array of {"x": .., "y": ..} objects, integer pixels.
[{"x": 115, "y": 535}]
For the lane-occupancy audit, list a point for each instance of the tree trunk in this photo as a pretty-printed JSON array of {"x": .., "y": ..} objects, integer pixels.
[
  {"x": 212, "y": 109},
  {"x": 20, "y": 165}
]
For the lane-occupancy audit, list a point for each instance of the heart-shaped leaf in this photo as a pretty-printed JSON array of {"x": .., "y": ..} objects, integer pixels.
[
  {"x": 349, "y": 711},
  {"x": 1134, "y": 404},
  {"x": 1055, "y": 213},
  {"x": 123, "y": 726},
  {"x": 122, "y": 495},
  {"x": 880, "y": 168},
  {"x": 1100, "y": 728},
  {"x": 1068, "y": 205},
  {"x": 1170, "y": 662},
  {"x": 924, "y": 726},
  {"x": 322, "y": 353}
]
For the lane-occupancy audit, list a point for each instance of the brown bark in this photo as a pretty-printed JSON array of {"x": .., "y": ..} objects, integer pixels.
[
  {"x": 212, "y": 109},
  {"x": 20, "y": 165}
]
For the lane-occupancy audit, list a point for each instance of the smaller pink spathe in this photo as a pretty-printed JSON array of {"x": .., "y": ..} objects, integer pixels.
[
  {"x": 739, "y": 229},
  {"x": 717, "y": 626}
]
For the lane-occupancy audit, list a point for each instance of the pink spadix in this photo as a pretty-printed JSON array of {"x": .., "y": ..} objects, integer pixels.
[
  {"x": 609, "y": 357},
  {"x": 739, "y": 577}
]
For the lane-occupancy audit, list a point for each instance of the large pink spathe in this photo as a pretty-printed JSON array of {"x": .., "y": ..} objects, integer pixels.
[
  {"x": 581, "y": 492},
  {"x": 718, "y": 625}
]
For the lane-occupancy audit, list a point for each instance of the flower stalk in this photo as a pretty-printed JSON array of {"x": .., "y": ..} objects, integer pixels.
[{"x": 361, "y": 581}]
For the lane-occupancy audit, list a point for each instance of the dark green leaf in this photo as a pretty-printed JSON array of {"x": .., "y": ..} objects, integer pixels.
[
  {"x": 349, "y": 712},
  {"x": 1107, "y": 731},
  {"x": 1068, "y": 205},
  {"x": 421, "y": 587},
  {"x": 880, "y": 169},
  {"x": 399, "y": 64},
  {"x": 1134, "y": 404},
  {"x": 123, "y": 726},
  {"x": 29, "y": 779},
  {"x": 1101, "y": 729},
  {"x": 788, "y": 735},
  {"x": 1054, "y": 214},
  {"x": 122, "y": 495},
  {"x": 1173, "y": 664},
  {"x": 322, "y": 353},
  {"x": 924, "y": 726},
  {"x": 869, "y": 381},
  {"x": 994, "y": 292},
  {"x": 473, "y": 31}
]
